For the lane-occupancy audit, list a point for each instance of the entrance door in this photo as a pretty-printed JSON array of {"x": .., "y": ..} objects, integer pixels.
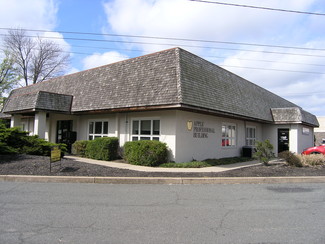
[
  {"x": 283, "y": 140},
  {"x": 65, "y": 134}
]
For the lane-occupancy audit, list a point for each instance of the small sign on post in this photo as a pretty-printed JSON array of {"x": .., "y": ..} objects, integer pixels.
[{"x": 55, "y": 155}]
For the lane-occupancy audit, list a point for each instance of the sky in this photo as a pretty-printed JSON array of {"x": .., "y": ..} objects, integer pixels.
[{"x": 281, "y": 51}]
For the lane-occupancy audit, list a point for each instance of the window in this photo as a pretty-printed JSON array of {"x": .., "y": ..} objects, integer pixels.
[
  {"x": 250, "y": 136},
  {"x": 145, "y": 130},
  {"x": 98, "y": 129},
  {"x": 228, "y": 135}
]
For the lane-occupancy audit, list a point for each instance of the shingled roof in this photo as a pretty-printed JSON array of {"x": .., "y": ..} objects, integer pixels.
[{"x": 173, "y": 78}]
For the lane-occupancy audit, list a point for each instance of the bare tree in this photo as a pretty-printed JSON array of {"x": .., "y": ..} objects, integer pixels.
[{"x": 36, "y": 59}]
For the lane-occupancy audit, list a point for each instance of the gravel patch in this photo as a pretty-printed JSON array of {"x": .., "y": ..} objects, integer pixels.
[{"x": 40, "y": 165}]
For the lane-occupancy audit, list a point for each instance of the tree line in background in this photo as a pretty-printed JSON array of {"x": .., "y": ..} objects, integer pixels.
[{"x": 26, "y": 60}]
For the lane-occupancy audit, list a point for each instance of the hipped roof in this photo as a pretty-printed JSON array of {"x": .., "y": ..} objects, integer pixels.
[{"x": 173, "y": 78}]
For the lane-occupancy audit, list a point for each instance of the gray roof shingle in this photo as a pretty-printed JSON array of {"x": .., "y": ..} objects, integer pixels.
[{"x": 173, "y": 77}]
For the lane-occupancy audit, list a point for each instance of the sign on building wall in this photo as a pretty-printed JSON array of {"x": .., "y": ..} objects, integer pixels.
[
  {"x": 199, "y": 129},
  {"x": 305, "y": 131}
]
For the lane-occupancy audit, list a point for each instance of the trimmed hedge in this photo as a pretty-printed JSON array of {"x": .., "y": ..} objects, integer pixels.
[
  {"x": 79, "y": 148},
  {"x": 105, "y": 148},
  {"x": 145, "y": 153}
]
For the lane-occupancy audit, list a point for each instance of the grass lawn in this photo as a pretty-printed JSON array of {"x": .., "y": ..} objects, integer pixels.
[{"x": 206, "y": 163}]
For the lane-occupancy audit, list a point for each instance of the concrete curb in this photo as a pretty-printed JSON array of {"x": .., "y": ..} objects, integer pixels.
[{"x": 162, "y": 180}]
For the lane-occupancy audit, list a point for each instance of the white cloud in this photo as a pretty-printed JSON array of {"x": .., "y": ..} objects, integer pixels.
[
  {"x": 33, "y": 14},
  {"x": 194, "y": 20},
  {"x": 57, "y": 38},
  {"x": 303, "y": 86},
  {"x": 186, "y": 19},
  {"x": 72, "y": 70},
  {"x": 98, "y": 59}
]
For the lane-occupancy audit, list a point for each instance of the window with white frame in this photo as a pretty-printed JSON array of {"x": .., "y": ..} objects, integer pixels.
[
  {"x": 145, "y": 129},
  {"x": 97, "y": 129},
  {"x": 250, "y": 136},
  {"x": 228, "y": 135}
]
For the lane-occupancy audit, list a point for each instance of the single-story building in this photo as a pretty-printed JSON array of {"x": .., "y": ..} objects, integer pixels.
[{"x": 197, "y": 108}]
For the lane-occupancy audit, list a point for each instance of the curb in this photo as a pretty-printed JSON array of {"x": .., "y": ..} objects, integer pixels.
[{"x": 162, "y": 180}]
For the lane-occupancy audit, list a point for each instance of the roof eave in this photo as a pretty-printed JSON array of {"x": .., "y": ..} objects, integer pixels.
[{"x": 128, "y": 109}]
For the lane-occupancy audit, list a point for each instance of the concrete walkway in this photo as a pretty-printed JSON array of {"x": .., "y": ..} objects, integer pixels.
[
  {"x": 163, "y": 180},
  {"x": 121, "y": 165}
]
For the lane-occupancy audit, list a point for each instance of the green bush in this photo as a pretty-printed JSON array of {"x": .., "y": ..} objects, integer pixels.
[
  {"x": 5, "y": 149},
  {"x": 12, "y": 137},
  {"x": 14, "y": 141},
  {"x": 145, "y": 153},
  {"x": 264, "y": 151},
  {"x": 291, "y": 158},
  {"x": 34, "y": 145},
  {"x": 105, "y": 148},
  {"x": 79, "y": 148}
]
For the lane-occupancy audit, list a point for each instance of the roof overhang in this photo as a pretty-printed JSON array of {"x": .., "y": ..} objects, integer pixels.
[
  {"x": 39, "y": 101},
  {"x": 293, "y": 115}
]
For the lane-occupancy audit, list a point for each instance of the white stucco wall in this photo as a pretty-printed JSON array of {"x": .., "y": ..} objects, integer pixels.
[
  {"x": 305, "y": 139},
  {"x": 183, "y": 144},
  {"x": 298, "y": 140},
  {"x": 28, "y": 125},
  {"x": 53, "y": 118},
  {"x": 190, "y": 147},
  {"x": 167, "y": 127},
  {"x": 120, "y": 125}
]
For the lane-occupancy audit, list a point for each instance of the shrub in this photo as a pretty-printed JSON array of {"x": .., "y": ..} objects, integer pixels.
[
  {"x": 12, "y": 137},
  {"x": 145, "y": 153},
  {"x": 34, "y": 145},
  {"x": 14, "y": 141},
  {"x": 105, "y": 148},
  {"x": 312, "y": 160},
  {"x": 264, "y": 151},
  {"x": 291, "y": 158},
  {"x": 79, "y": 148},
  {"x": 5, "y": 149}
]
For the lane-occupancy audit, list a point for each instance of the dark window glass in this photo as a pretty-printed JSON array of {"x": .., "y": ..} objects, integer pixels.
[
  {"x": 91, "y": 127},
  {"x": 155, "y": 138},
  {"x": 135, "y": 138},
  {"x": 156, "y": 127},
  {"x": 144, "y": 138},
  {"x": 105, "y": 128},
  {"x": 135, "y": 127},
  {"x": 98, "y": 127},
  {"x": 145, "y": 127}
]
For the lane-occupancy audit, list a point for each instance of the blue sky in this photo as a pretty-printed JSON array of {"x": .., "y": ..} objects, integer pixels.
[{"x": 295, "y": 74}]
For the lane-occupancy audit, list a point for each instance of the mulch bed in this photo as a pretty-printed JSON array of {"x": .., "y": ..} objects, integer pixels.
[{"x": 39, "y": 165}]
